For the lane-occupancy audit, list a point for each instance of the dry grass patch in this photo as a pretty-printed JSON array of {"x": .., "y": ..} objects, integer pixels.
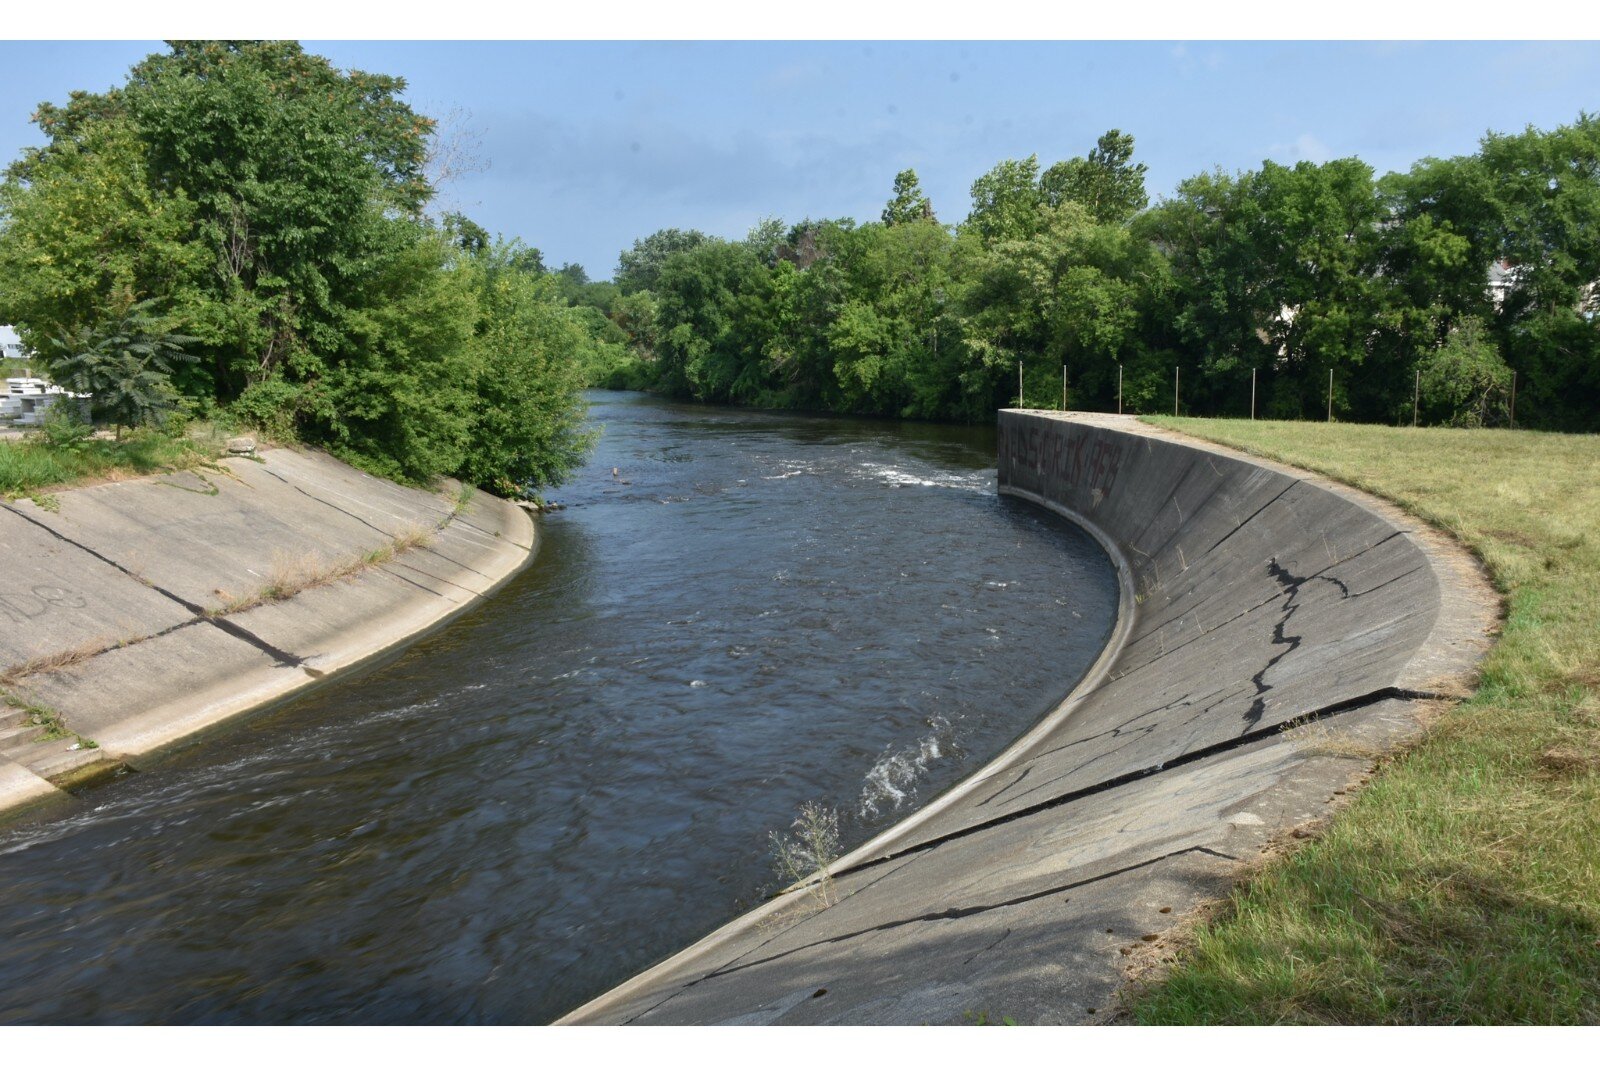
[
  {"x": 290, "y": 575},
  {"x": 65, "y": 658}
]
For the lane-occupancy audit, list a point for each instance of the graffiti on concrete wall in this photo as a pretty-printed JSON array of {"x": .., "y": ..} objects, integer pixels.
[
  {"x": 1058, "y": 457},
  {"x": 19, "y": 606}
]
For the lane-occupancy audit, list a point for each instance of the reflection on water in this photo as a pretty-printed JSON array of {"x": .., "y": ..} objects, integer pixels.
[{"x": 579, "y": 777}]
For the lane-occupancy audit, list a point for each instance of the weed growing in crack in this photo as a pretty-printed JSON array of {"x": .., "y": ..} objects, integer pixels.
[
  {"x": 293, "y": 574},
  {"x": 808, "y": 849}
]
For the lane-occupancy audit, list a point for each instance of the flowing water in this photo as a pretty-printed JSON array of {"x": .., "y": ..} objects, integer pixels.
[{"x": 582, "y": 775}]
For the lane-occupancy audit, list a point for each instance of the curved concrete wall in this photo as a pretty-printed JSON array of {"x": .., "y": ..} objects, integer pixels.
[{"x": 1256, "y": 599}]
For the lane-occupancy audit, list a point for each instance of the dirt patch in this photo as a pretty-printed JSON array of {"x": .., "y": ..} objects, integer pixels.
[{"x": 1564, "y": 759}]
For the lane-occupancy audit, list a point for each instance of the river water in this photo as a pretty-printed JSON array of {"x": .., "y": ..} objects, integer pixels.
[{"x": 581, "y": 776}]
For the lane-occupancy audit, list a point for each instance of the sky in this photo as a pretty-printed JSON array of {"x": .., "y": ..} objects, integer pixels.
[{"x": 584, "y": 147}]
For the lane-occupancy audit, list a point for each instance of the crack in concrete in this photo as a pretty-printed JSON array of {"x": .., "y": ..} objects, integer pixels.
[
  {"x": 453, "y": 562},
  {"x": 238, "y": 632},
  {"x": 1159, "y": 632},
  {"x": 1388, "y": 692},
  {"x": 1252, "y": 517},
  {"x": 990, "y": 947},
  {"x": 951, "y": 914},
  {"x": 763, "y": 943},
  {"x": 417, "y": 584},
  {"x": 319, "y": 499},
  {"x": 1292, "y": 585}
]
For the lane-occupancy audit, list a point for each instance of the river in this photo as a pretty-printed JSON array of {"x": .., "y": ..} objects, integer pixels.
[{"x": 582, "y": 775}]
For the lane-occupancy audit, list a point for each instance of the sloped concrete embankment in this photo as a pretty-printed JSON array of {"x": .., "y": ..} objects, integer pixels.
[
  {"x": 1275, "y": 631},
  {"x": 126, "y": 616}
]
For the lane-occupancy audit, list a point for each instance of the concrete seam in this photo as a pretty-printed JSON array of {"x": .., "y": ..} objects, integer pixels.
[
  {"x": 957, "y": 913},
  {"x": 1198, "y": 755},
  {"x": 223, "y": 624}
]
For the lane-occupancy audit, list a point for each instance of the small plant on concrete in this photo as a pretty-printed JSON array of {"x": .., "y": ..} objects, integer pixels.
[
  {"x": 808, "y": 849},
  {"x": 46, "y": 719},
  {"x": 982, "y": 1018}
]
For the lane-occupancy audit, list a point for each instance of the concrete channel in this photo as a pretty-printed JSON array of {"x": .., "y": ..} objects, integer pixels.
[
  {"x": 1276, "y": 632},
  {"x": 131, "y": 614}
]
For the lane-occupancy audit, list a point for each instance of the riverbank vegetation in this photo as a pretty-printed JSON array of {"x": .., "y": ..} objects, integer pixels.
[
  {"x": 41, "y": 462},
  {"x": 1459, "y": 284},
  {"x": 1463, "y": 882},
  {"x": 271, "y": 214}
]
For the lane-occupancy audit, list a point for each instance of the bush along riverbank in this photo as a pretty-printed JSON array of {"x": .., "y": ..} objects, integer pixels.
[{"x": 1463, "y": 882}]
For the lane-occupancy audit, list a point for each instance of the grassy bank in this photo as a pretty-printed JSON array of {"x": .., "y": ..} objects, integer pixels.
[
  {"x": 1463, "y": 884},
  {"x": 31, "y": 466}
]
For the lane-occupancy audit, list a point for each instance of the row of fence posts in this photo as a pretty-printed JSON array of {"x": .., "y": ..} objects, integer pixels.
[{"x": 1416, "y": 396}]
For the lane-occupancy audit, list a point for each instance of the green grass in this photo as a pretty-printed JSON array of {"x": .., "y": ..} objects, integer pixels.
[
  {"x": 31, "y": 465},
  {"x": 1463, "y": 883}
]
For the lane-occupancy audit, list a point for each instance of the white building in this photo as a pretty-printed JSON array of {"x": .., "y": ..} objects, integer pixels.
[
  {"x": 11, "y": 344},
  {"x": 25, "y": 400}
]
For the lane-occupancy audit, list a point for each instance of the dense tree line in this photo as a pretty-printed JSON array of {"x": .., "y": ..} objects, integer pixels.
[
  {"x": 271, "y": 211},
  {"x": 1458, "y": 273}
]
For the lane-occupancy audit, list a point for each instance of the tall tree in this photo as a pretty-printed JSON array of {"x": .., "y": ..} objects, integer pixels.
[
  {"x": 298, "y": 171},
  {"x": 639, "y": 267},
  {"x": 1108, "y": 184},
  {"x": 84, "y": 232},
  {"x": 273, "y": 206},
  {"x": 909, "y": 203},
  {"x": 1546, "y": 191},
  {"x": 1006, "y": 201}
]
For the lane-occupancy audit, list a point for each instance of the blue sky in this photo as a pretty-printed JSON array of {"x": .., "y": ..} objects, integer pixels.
[{"x": 588, "y": 146}]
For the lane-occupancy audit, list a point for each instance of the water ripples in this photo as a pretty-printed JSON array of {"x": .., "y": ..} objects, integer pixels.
[{"x": 580, "y": 777}]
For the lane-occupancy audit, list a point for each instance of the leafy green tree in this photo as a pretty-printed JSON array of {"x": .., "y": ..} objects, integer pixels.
[
  {"x": 83, "y": 229},
  {"x": 909, "y": 203},
  {"x": 1277, "y": 271},
  {"x": 1107, "y": 184},
  {"x": 639, "y": 267},
  {"x": 526, "y": 427},
  {"x": 1546, "y": 195},
  {"x": 1006, "y": 201},
  {"x": 467, "y": 234},
  {"x": 299, "y": 172},
  {"x": 713, "y": 324},
  {"x": 125, "y": 364},
  {"x": 399, "y": 398},
  {"x": 1464, "y": 382}
]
